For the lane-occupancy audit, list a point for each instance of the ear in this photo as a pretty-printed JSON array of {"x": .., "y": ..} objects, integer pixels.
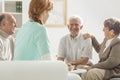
[
  {"x": 68, "y": 26},
  {"x": 3, "y": 23},
  {"x": 81, "y": 26},
  {"x": 112, "y": 32}
]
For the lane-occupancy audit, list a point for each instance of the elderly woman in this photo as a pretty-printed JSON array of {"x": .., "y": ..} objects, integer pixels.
[
  {"x": 109, "y": 53},
  {"x": 32, "y": 41}
]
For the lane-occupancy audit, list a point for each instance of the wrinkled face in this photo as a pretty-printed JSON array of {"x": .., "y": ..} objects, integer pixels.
[
  {"x": 10, "y": 25},
  {"x": 107, "y": 33},
  {"x": 74, "y": 27}
]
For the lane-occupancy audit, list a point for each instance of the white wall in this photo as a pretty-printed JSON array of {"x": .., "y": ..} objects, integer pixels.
[
  {"x": 0, "y": 6},
  {"x": 93, "y": 14}
]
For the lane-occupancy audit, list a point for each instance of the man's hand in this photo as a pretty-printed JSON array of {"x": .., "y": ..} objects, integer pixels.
[
  {"x": 70, "y": 66},
  {"x": 72, "y": 63}
]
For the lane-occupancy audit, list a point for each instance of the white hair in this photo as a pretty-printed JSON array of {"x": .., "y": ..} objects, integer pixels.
[{"x": 76, "y": 17}]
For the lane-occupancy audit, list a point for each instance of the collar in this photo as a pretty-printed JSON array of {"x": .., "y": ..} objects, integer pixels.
[
  {"x": 3, "y": 34},
  {"x": 31, "y": 20},
  {"x": 79, "y": 35},
  {"x": 115, "y": 41},
  {"x": 108, "y": 42}
]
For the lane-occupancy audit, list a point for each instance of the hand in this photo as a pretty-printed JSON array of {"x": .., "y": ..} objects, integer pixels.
[
  {"x": 72, "y": 63},
  {"x": 87, "y": 68},
  {"x": 87, "y": 35},
  {"x": 70, "y": 66}
]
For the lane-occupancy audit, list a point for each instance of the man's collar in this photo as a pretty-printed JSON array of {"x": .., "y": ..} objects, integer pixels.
[
  {"x": 3, "y": 34},
  {"x": 75, "y": 37}
]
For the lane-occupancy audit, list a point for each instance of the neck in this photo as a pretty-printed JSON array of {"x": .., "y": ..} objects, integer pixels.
[
  {"x": 73, "y": 36},
  {"x": 110, "y": 37}
]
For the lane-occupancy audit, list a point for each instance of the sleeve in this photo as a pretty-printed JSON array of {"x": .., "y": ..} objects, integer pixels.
[
  {"x": 112, "y": 61},
  {"x": 61, "y": 48},
  {"x": 42, "y": 42},
  {"x": 0, "y": 52},
  {"x": 87, "y": 49},
  {"x": 46, "y": 57},
  {"x": 1, "y": 58},
  {"x": 12, "y": 44},
  {"x": 95, "y": 44}
]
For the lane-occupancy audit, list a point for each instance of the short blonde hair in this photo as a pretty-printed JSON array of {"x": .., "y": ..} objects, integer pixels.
[{"x": 37, "y": 7}]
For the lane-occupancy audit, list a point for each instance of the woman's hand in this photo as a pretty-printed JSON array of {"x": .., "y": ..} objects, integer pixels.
[
  {"x": 87, "y": 68},
  {"x": 87, "y": 35}
]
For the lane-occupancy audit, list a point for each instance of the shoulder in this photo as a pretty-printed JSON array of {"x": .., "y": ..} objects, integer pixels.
[
  {"x": 65, "y": 37},
  {"x": 12, "y": 38},
  {"x": 83, "y": 39},
  {"x": 32, "y": 24},
  {"x": 115, "y": 41},
  {"x": 39, "y": 29}
]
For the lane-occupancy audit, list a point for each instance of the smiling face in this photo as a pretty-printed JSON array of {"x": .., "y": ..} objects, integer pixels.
[
  {"x": 74, "y": 26},
  {"x": 106, "y": 32},
  {"x": 111, "y": 27}
]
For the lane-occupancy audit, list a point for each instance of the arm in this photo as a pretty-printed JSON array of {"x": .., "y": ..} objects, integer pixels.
[
  {"x": 112, "y": 61},
  {"x": 46, "y": 57},
  {"x": 43, "y": 44},
  {"x": 60, "y": 58},
  {"x": 1, "y": 59},
  {"x": 95, "y": 43},
  {"x": 61, "y": 50},
  {"x": 82, "y": 61},
  {"x": 12, "y": 43}
]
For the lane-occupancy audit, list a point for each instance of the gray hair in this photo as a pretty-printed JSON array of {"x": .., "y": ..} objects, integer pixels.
[
  {"x": 76, "y": 17},
  {"x": 113, "y": 24}
]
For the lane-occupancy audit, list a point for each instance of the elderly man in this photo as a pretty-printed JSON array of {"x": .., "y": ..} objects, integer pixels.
[
  {"x": 73, "y": 48},
  {"x": 7, "y": 26}
]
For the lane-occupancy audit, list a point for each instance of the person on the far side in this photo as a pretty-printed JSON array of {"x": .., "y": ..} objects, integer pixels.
[
  {"x": 32, "y": 41},
  {"x": 109, "y": 53},
  {"x": 7, "y": 28},
  {"x": 73, "y": 48}
]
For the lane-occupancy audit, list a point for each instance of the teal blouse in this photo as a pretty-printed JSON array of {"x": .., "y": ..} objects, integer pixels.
[{"x": 31, "y": 42}]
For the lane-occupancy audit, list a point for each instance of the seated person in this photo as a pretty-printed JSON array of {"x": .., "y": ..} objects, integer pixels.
[
  {"x": 73, "y": 48},
  {"x": 7, "y": 28},
  {"x": 109, "y": 53}
]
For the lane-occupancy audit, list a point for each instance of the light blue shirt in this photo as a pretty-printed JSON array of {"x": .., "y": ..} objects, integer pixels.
[{"x": 31, "y": 42}]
